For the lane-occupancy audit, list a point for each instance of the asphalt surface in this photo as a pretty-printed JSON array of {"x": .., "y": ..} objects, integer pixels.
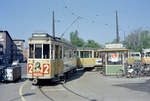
[{"x": 82, "y": 86}]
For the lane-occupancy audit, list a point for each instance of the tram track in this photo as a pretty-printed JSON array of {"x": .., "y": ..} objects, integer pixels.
[
  {"x": 67, "y": 89},
  {"x": 77, "y": 94},
  {"x": 49, "y": 98}
]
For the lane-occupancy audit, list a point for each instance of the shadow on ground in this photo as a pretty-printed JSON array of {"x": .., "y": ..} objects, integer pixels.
[
  {"x": 72, "y": 77},
  {"x": 19, "y": 98},
  {"x": 142, "y": 87}
]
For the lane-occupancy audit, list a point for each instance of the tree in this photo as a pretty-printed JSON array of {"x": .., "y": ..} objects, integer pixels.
[
  {"x": 92, "y": 44},
  {"x": 65, "y": 40},
  {"x": 137, "y": 40},
  {"x": 76, "y": 40}
]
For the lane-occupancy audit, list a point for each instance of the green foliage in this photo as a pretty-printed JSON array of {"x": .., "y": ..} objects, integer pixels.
[
  {"x": 76, "y": 40},
  {"x": 65, "y": 40},
  {"x": 92, "y": 44},
  {"x": 79, "y": 42},
  {"x": 137, "y": 40}
]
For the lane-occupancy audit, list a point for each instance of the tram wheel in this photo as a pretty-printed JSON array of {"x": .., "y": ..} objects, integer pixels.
[{"x": 35, "y": 81}]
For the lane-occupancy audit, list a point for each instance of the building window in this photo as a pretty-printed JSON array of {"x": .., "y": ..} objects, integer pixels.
[
  {"x": 1, "y": 35},
  {"x": 1, "y": 49},
  {"x": 18, "y": 42}
]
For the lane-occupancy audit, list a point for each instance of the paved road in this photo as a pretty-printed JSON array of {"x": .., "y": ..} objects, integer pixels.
[
  {"x": 83, "y": 86},
  {"x": 91, "y": 86},
  {"x": 10, "y": 91}
]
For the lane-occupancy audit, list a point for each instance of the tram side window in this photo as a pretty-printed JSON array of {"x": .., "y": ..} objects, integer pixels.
[
  {"x": 38, "y": 51},
  {"x": 56, "y": 51},
  {"x": 60, "y": 52},
  {"x": 97, "y": 55},
  {"x": 85, "y": 54},
  {"x": 31, "y": 50},
  {"x": 46, "y": 51},
  {"x": 70, "y": 54},
  {"x": 66, "y": 52},
  {"x": 75, "y": 54},
  {"x": 148, "y": 54},
  {"x": 52, "y": 49}
]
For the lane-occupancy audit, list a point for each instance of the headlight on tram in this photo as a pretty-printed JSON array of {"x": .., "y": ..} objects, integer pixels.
[{"x": 37, "y": 65}]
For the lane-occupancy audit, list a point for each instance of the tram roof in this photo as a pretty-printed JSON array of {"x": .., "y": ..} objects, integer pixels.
[{"x": 46, "y": 36}]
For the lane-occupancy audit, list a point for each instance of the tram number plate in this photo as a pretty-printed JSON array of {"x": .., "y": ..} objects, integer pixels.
[
  {"x": 46, "y": 68},
  {"x": 36, "y": 74},
  {"x": 30, "y": 66}
]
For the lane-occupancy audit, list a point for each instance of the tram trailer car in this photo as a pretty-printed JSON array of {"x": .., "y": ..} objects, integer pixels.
[
  {"x": 89, "y": 58},
  {"x": 146, "y": 57},
  {"x": 49, "y": 57},
  {"x": 134, "y": 57}
]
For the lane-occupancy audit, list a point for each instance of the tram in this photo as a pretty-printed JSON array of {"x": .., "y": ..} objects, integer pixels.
[
  {"x": 49, "y": 57},
  {"x": 134, "y": 57},
  {"x": 146, "y": 57},
  {"x": 89, "y": 58}
]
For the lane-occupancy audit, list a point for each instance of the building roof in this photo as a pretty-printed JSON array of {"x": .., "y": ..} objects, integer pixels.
[
  {"x": 6, "y": 33},
  {"x": 18, "y": 40}
]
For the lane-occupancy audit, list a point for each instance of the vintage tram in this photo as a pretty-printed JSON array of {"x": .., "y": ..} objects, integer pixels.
[
  {"x": 146, "y": 57},
  {"x": 134, "y": 57},
  {"x": 49, "y": 57},
  {"x": 89, "y": 58}
]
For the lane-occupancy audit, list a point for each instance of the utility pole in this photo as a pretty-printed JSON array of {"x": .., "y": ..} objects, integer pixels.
[
  {"x": 117, "y": 32},
  {"x": 53, "y": 25}
]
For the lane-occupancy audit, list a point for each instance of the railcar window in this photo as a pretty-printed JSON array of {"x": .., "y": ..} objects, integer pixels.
[
  {"x": 85, "y": 54},
  {"x": 70, "y": 53},
  {"x": 38, "y": 51},
  {"x": 60, "y": 52},
  {"x": 56, "y": 51},
  {"x": 75, "y": 54},
  {"x": 52, "y": 49},
  {"x": 148, "y": 54},
  {"x": 135, "y": 55},
  {"x": 66, "y": 52},
  {"x": 31, "y": 50},
  {"x": 97, "y": 55},
  {"x": 46, "y": 51}
]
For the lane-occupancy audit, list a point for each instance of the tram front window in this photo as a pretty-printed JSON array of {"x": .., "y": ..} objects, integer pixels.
[
  {"x": 31, "y": 50},
  {"x": 38, "y": 51},
  {"x": 46, "y": 51}
]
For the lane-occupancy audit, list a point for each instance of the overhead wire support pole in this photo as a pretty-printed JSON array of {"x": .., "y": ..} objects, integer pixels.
[
  {"x": 117, "y": 32},
  {"x": 53, "y": 25},
  {"x": 69, "y": 27}
]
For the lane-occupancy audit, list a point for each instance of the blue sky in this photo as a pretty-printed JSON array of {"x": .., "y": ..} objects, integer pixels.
[{"x": 23, "y": 17}]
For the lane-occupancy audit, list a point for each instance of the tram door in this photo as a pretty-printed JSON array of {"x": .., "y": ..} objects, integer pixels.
[{"x": 58, "y": 59}]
